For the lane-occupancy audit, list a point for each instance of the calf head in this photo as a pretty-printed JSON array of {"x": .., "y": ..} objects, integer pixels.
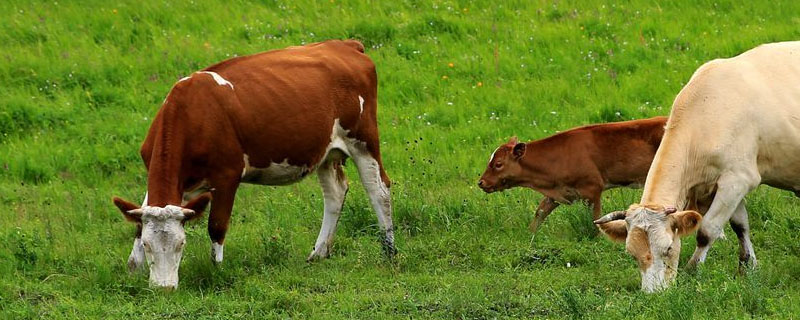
[
  {"x": 504, "y": 169},
  {"x": 163, "y": 236},
  {"x": 652, "y": 235}
]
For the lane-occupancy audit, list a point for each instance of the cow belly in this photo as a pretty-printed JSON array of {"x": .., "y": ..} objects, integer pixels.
[
  {"x": 275, "y": 174},
  {"x": 284, "y": 173}
]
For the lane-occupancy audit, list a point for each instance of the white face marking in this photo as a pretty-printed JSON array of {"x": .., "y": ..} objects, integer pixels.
[
  {"x": 163, "y": 239},
  {"x": 184, "y": 78},
  {"x": 492, "y": 156},
  {"x": 361, "y": 103},
  {"x": 664, "y": 247},
  {"x": 216, "y": 252},
  {"x": 219, "y": 79}
]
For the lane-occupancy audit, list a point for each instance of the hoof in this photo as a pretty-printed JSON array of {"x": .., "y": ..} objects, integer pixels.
[{"x": 133, "y": 265}]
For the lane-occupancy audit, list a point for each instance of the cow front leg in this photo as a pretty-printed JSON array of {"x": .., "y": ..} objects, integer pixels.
[
  {"x": 136, "y": 259},
  {"x": 546, "y": 206},
  {"x": 741, "y": 226},
  {"x": 219, "y": 218},
  {"x": 730, "y": 194},
  {"x": 334, "y": 189}
]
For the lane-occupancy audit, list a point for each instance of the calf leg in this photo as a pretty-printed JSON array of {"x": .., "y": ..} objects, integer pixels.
[
  {"x": 334, "y": 188},
  {"x": 730, "y": 194},
  {"x": 546, "y": 206},
  {"x": 741, "y": 226},
  {"x": 136, "y": 259},
  {"x": 376, "y": 183},
  {"x": 219, "y": 218}
]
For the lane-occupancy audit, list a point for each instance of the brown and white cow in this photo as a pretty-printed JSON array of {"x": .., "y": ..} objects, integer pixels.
[
  {"x": 269, "y": 118},
  {"x": 577, "y": 164},
  {"x": 735, "y": 125}
]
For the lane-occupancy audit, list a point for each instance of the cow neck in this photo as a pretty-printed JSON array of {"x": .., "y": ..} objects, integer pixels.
[
  {"x": 670, "y": 176},
  {"x": 535, "y": 173},
  {"x": 163, "y": 176}
]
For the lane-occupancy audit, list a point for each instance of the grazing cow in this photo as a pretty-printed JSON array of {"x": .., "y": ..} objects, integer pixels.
[
  {"x": 577, "y": 164},
  {"x": 269, "y": 118},
  {"x": 735, "y": 125}
]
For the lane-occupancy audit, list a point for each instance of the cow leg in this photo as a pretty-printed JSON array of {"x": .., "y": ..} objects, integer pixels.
[
  {"x": 136, "y": 259},
  {"x": 334, "y": 189},
  {"x": 730, "y": 193},
  {"x": 221, "y": 207},
  {"x": 546, "y": 206},
  {"x": 376, "y": 183},
  {"x": 741, "y": 226}
]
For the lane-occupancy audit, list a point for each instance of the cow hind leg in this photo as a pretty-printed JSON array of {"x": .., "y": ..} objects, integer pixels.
[
  {"x": 334, "y": 189},
  {"x": 741, "y": 226},
  {"x": 376, "y": 183}
]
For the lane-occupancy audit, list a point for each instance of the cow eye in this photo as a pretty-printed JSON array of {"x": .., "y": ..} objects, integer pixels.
[{"x": 498, "y": 165}]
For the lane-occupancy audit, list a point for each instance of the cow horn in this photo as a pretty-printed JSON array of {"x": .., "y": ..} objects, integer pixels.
[
  {"x": 136, "y": 212},
  {"x": 616, "y": 215}
]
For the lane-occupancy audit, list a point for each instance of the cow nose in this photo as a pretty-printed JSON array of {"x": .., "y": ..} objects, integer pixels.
[{"x": 480, "y": 183}]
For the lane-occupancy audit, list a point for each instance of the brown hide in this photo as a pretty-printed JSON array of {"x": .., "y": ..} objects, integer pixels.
[
  {"x": 282, "y": 107},
  {"x": 577, "y": 164}
]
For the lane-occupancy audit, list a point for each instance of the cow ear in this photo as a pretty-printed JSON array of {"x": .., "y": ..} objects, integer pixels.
[
  {"x": 131, "y": 211},
  {"x": 519, "y": 150},
  {"x": 685, "y": 222},
  {"x": 194, "y": 208},
  {"x": 616, "y": 230}
]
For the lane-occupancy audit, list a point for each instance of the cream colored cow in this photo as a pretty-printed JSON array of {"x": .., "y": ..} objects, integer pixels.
[{"x": 735, "y": 125}]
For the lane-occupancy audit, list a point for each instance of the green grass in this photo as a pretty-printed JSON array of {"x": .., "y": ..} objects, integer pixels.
[{"x": 81, "y": 81}]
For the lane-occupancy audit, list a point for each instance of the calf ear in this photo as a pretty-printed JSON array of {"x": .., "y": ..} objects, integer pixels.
[
  {"x": 194, "y": 208},
  {"x": 519, "y": 150},
  {"x": 616, "y": 230},
  {"x": 685, "y": 222},
  {"x": 131, "y": 211}
]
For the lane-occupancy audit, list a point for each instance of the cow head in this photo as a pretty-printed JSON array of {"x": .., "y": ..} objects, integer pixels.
[
  {"x": 163, "y": 236},
  {"x": 504, "y": 169},
  {"x": 652, "y": 235}
]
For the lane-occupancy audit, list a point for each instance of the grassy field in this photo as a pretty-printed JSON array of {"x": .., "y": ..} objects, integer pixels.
[{"x": 81, "y": 81}]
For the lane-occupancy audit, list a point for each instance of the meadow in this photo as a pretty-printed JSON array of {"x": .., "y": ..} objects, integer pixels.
[{"x": 81, "y": 80}]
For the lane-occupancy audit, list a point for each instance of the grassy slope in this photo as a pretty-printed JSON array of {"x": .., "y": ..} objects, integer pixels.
[{"x": 80, "y": 83}]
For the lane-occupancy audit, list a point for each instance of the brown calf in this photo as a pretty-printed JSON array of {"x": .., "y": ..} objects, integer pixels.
[
  {"x": 269, "y": 118},
  {"x": 577, "y": 164}
]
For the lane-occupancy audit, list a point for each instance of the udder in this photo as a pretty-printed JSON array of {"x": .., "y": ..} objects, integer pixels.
[{"x": 275, "y": 174}]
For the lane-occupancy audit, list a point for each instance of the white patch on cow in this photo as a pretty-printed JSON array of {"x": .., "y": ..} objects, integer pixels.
[
  {"x": 219, "y": 79},
  {"x": 339, "y": 139},
  {"x": 216, "y": 252},
  {"x": 246, "y": 165},
  {"x": 492, "y": 156},
  {"x": 275, "y": 174},
  {"x": 184, "y": 78},
  {"x": 361, "y": 104}
]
